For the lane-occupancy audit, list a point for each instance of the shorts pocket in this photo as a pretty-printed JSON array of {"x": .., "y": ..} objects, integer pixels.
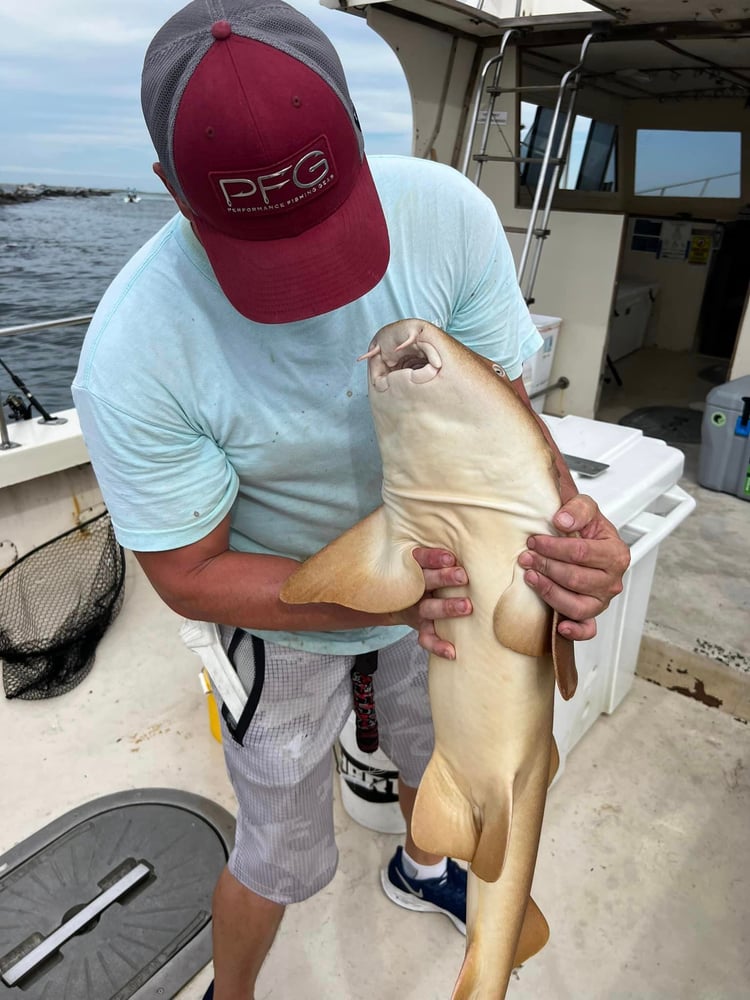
[{"x": 238, "y": 729}]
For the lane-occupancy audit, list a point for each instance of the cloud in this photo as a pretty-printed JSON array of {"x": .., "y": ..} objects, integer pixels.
[
  {"x": 38, "y": 26},
  {"x": 87, "y": 135},
  {"x": 70, "y": 76}
]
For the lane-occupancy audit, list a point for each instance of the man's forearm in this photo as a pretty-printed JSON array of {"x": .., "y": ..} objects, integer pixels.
[{"x": 242, "y": 589}]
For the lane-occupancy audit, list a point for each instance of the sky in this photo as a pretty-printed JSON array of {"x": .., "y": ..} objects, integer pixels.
[{"x": 70, "y": 71}]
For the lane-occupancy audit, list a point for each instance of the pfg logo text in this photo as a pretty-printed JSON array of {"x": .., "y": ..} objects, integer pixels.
[
  {"x": 307, "y": 176},
  {"x": 278, "y": 205}
]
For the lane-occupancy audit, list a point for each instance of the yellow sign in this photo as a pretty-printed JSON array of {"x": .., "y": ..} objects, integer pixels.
[{"x": 700, "y": 249}]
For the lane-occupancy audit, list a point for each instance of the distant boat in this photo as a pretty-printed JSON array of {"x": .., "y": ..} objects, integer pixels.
[{"x": 131, "y": 195}]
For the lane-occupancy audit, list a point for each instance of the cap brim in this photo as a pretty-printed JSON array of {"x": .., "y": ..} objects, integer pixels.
[{"x": 324, "y": 268}]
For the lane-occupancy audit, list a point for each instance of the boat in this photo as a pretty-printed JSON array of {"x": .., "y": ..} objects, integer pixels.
[
  {"x": 644, "y": 898},
  {"x": 131, "y": 196}
]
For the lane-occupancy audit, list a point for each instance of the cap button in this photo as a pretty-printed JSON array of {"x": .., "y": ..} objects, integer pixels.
[{"x": 221, "y": 29}]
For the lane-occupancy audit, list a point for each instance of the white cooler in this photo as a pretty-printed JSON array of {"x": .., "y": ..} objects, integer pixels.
[{"x": 640, "y": 495}]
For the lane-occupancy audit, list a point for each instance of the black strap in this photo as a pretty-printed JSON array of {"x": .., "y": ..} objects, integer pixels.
[
  {"x": 239, "y": 727},
  {"x": 366, "y": 720}
]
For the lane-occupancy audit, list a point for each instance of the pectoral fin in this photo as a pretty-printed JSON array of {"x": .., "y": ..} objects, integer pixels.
[
  {"x": 364, "y": 569},
  {"x": 522, "y": 620},
  {"x": 523, "y": 623}
]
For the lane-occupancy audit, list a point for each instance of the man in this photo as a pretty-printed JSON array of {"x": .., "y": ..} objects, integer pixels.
[{"x": 228, "y": 424}]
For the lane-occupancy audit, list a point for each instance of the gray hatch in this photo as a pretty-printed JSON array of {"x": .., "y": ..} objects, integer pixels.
[{"x": 112, "y": 900}]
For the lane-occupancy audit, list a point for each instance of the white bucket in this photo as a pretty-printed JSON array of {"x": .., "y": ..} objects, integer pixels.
[{"x": 369, "y": 784}]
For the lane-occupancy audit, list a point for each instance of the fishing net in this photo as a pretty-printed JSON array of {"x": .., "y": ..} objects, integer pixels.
[{"x": 56, "y": 603}]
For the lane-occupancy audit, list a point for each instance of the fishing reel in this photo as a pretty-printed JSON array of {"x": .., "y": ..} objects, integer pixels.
[{"x": 19, "y": 409}]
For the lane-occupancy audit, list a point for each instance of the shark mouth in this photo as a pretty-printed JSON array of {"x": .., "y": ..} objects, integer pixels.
[{"x": 416, "y": 357}]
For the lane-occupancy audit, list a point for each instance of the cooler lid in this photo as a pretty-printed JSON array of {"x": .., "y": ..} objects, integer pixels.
[
  {"x": 641, "y": 469},
  {"x": 729, "y": 395},
  {"x": 629, "y": 290},
  {"x": 545, "y": 322}
]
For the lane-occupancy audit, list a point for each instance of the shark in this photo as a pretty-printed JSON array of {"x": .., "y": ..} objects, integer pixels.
[{"x": 467, "y": 467}]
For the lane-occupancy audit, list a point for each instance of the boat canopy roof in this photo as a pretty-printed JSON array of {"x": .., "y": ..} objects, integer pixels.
[{"x": 658, "y": 49}]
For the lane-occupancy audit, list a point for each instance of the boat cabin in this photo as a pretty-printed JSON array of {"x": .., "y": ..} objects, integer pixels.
[{"x": 614, "y": 141}]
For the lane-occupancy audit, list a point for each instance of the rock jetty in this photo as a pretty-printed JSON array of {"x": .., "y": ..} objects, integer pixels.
[{"x": 33, "y": 192}]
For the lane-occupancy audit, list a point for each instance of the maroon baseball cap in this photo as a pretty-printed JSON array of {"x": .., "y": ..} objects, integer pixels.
[{"x": 256, "y": 133}]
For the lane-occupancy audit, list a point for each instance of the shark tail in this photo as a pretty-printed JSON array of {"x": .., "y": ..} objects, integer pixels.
[
  {"x": 488, "y": 962},
  {"x": 504, "y": 926}
]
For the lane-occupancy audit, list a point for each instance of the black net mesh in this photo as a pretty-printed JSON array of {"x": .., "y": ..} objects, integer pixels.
[{"x": 56, "y": 603}]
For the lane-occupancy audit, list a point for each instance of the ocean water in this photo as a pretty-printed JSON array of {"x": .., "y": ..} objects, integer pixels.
[{"x": 57, "y": 257}]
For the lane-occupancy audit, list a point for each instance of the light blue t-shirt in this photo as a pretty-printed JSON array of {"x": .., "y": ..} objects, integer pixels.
[{"x": 190, "y": 411}]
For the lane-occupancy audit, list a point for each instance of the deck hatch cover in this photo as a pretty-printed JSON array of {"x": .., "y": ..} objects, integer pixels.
[{"x": 113, "y": 900}]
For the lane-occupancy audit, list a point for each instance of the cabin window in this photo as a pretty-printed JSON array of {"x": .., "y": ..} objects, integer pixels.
[
  {"x": 674, "y": 164},
  {"x": 592, "y": 152}
]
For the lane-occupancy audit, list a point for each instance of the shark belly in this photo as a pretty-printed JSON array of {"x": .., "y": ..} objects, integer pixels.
[
  {"x": 482, "y": 796},
  {"x": 466, "y": 467}
]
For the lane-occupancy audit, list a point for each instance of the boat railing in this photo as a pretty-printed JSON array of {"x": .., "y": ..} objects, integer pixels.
[
  {"x": 661, "y": 191},
  {"x": 11, "y": 331}
]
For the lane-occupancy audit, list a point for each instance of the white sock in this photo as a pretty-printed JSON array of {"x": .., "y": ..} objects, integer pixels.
[{"x": 413, "y": 870}]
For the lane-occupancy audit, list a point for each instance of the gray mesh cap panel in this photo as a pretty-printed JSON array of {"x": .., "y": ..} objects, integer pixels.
[{"x": 181, "y": 43}]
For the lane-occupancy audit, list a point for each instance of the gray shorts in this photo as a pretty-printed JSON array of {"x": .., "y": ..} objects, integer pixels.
[{"x": 279, "y": 755}]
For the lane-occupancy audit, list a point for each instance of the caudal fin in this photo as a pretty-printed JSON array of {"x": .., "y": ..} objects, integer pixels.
[{"x": 504, "y": 926}]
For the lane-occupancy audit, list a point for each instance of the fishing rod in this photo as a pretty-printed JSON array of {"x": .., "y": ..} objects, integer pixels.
[{"x": 47, "y": 418}]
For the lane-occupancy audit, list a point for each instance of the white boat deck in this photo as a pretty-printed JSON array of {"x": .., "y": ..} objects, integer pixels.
[
  {"x": 643, "y": 868},
  {"x": 697, "y": 630}
]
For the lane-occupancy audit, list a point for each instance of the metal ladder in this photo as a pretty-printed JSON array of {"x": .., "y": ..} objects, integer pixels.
[{"x": 551, "y": 163}]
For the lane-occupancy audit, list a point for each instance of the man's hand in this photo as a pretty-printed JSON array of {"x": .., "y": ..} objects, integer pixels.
[
  {"x": 577, "y": 576},
  {"x": 440, "y": 570}
]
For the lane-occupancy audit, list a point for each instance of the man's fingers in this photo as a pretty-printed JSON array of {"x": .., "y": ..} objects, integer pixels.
[
  {"x": 435, "y": 608},
  {"x": 594, "y": 553},
  {"x": 580, "y": 580},
  {"x": 433, "y": 558},
  {"x": 579, "y": 511},
  {"x": 431, "y": 641},
  {"x": 453, "y": 576},
  {"x": 570, "y": 605},
  {"x": 440, "y": 569},
  {"x": 577, "y": 631}
]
